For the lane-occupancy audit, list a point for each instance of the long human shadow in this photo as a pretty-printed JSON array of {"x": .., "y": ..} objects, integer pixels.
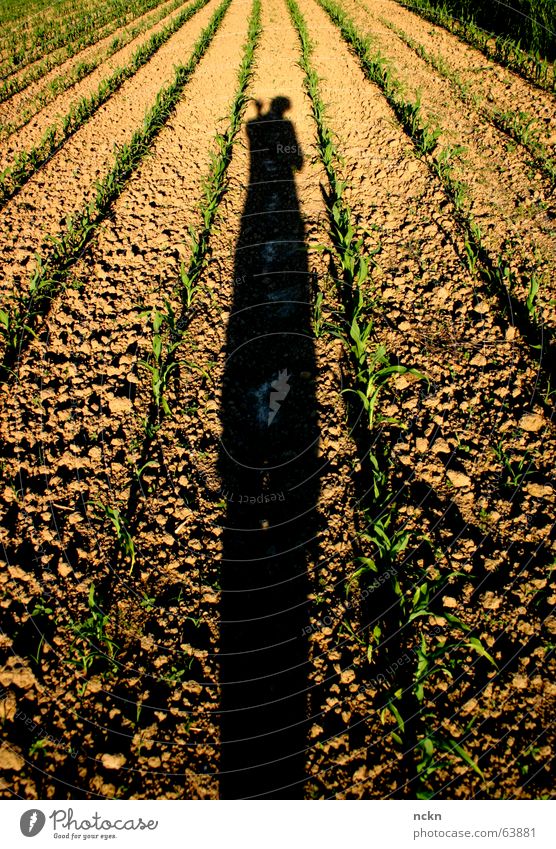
[{"x": 270, "y": 478}]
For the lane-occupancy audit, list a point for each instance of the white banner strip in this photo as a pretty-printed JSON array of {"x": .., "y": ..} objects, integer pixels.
[{"x": 280, "y": 825}]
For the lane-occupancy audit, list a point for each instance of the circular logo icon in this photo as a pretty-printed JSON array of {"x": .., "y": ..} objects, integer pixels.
[{"x": 32, "y": 822}]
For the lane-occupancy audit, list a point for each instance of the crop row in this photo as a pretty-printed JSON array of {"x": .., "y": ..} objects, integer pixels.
[
  {"x": 169, "y": 328},
  {"x": 517, "y": 125},
  {"x": 14, "y": 83},
  {"x": 496, "y": 272},
  {"x": 501, "y": 48},
  {"x": 76, "y": 74},
  {"x": 17, "y": 320},
  {"x": 28, "y": 162}
]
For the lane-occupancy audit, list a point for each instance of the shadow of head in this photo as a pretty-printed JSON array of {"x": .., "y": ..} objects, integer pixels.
[{"x": 278, "y": 107}]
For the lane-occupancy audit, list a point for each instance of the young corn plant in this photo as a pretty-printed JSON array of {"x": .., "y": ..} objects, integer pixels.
[
  {"x": 432, "y": 750},
  {"x": 534, "y": 287},
  {"x": 423, "y": 133},
  {"x": 18, "y": 319},
  {"x": 515, "y": 469},
  {"x": 472, "y": 254},
  {"x": 161, "y": 362},
  {"x": 382, "y": 538},
  {"x": 91, "y": 641},
  {"x": 374, "y": 375},
  {"x": 13, "y": 326},
  {"x": 124, "y": 540},
  {"x": 318, "y": 318},
  {"x": 188, "y": 279}
]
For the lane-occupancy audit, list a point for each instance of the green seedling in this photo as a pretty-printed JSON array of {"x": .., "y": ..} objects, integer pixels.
[
  {"x": 424, "y": 134},
  {"x": 37, "y": 656},
  {"x": 175, "y": 676},
  {"x": 393, "y": 711},
  {"x": 123, "y": 536},
  {"x": 148, "y": 602},
  {"x": 472, "y": 255},
  {"x": 346, "y": 628},
  {"x": 41, "y": 609},
  {"x": 161, "y": 362},
  {"x": 516, "y": 469},
  {"x": 374, "y": 372},
  {"x": 38, "y": 746},
  {"x": 140, "y": 470},
  {"x": 14, "y": 324},
  {"x": 91, "y": 641},
  {"x": 317, "y": 315},
  {"x": 534, "y": 287},
  {"x": 431, "y": 748},
  {"x": 188, "y": 286},
  {"x": 446, "y": 159}
]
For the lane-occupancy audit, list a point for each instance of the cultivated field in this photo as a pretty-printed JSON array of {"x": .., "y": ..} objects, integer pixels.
[{"x": 277, "y": 373}]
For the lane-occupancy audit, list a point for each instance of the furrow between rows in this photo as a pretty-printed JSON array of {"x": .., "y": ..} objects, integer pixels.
[{"x": 282, "y": 543}]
